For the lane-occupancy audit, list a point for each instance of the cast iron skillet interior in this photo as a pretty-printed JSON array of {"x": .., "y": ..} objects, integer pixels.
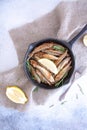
[{"x": 67, "y": 45}]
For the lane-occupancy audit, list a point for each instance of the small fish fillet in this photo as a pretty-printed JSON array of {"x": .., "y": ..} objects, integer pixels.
[
  {"x": 63, "y": 63},
  {"x": 43, "y": 79},
  {"x": 35, "y": 75},
  {"x": 62, "y": 72},
  {"x": 53, "y": 52},
  {"x": 45, "y": 72},
  {"x": 40, "y": 48},
  {"x": 57, "y": 62},
  {"x": 49, "y": 56},
  {"x": 38, "y": 55}
]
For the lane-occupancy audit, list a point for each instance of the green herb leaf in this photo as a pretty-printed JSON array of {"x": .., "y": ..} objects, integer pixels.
[
  {"x": 18, "y": 79},
  {"x": 61, "y": 81},
  {"x": 80, "y": 89},
  {"x": 63, "y": 102},
  {"x": 51, "y": 106},
  {"x": 35, "y": 89},
  {"x": 76, "y": 96},
  {"x": 28, "y": 65},
  {"x": 58, "y": 83},
  {"x": 33, "y": 77},
  {"x": 59, "y": 48}
]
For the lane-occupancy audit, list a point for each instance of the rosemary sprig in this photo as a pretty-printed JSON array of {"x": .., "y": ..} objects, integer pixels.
[
  {"x": 80, "y": 88},
  {"x": 63, "y": 102},
  {"x": 35, "y": 89},
  {"x": 28, "y": 65},
  {"x": 51, "y": 106},
  {"x": 33, "y": 77},
  {"x": 61, "y": 81},
  {"x": 76, "y": 96}
]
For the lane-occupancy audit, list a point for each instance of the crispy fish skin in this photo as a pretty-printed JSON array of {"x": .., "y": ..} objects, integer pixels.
[
  {"x": 43, "y": 79},
  {"x": 63, "y": 72},
  {"x": 53, "y": 52},
  {"x": 50, "y": 57},
  {"x": 45, "y": 72},
  {"x": 35, "y": 75},
  {"x": 57, "y": 62},
  {"x": 63, "y": 63},
  {"x": 38, "y": 55},
  {"x": 40, "y": 48}
]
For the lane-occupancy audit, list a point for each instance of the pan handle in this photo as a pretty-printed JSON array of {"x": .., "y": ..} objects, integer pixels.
[{"x": 78, "y": 35}]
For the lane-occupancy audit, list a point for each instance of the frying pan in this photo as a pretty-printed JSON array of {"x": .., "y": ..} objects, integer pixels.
[{"x": 67, "y": 45}]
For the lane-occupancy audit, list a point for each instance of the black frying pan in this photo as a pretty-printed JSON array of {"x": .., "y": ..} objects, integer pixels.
[{"x": 67, "y": 45}]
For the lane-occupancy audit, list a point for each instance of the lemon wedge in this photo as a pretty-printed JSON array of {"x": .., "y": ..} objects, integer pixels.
[
  {"x": 85, "y": 40},
  {"x": 16, "y": 95},
  {"x": 49, "y": 65}
]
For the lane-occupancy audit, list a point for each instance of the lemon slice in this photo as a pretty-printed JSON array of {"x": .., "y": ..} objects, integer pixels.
[
  {"x": 16, "y": 95},
  {"x": 49, "y": 65},
  {"x": 85, "y": 40}
]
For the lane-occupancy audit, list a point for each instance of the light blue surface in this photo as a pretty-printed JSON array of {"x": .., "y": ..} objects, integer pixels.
[{"x": 14, "y": 120}]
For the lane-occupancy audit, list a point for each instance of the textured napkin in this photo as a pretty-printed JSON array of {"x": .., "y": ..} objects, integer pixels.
[{"x": 64, "y": 22}]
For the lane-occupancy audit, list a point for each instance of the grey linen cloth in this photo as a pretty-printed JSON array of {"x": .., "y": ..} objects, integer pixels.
[{"x": 64, "y": 22}]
